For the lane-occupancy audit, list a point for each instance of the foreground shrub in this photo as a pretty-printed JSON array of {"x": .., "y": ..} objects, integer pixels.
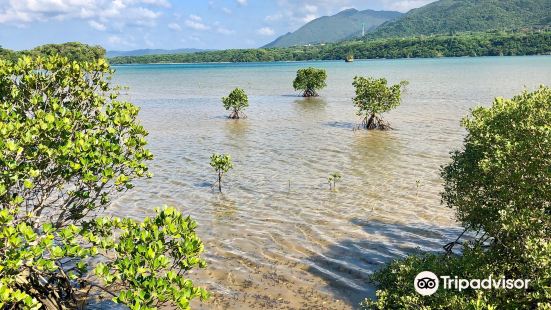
[
  {"x": 500, "y": 186},
  {"x": 66, "y": 145},
  {"x": 142, "y": 265}
]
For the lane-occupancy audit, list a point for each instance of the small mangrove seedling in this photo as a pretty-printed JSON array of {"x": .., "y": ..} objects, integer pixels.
[
  {"x": 309, "y": 81},
  {"x": 221, "y": 164},
  {"x": 374, "y": 97},
  {"x": 236, "y": 101},
  {"x": 417, "y": 185},
  {"x": 333, "y": 179}
]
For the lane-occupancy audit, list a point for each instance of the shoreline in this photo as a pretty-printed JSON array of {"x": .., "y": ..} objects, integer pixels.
[{"x": 318, "y": 60}]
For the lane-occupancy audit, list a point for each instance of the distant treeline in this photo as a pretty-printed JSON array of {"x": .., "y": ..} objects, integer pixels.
[
  {"x": 72, "y": 50},
  {"x": 493, "y": 43}
]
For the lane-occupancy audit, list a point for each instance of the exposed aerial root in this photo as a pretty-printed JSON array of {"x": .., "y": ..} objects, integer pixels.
[
  {"x": 374, "y": 122},
  {"x": 237, "y": 115},
  {"x": 309, "y": 93}
]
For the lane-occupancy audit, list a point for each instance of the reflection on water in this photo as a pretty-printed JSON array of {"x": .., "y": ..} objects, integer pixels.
[
  {"x": 224, "y": 208},
  {"x": 278, "y": 238},
  {"x": 312, "y": 105}
]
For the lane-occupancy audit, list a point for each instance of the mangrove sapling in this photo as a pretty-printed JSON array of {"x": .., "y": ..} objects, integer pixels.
[
  {"x": 236, "y": 101},
  {"x": 374, "y": 97},
  {"x": 309, "y": 81},
  {"x": 221, "y": 164},
  {"x": 333, "y": 179}
]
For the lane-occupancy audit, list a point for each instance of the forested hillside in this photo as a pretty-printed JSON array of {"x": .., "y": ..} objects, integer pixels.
[
  {"x": 465, "y": 44},
  {"x": 330, "y": 29},
  {"x": 451, "y": 16}
]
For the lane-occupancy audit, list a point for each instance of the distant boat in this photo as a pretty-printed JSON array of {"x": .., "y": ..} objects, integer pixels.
[{"x": 349, "y": 58}]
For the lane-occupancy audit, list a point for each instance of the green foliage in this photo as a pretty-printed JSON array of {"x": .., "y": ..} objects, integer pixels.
[
  {"x": 492, "y": 43},
  {"x": 374, "y": 97},
  {"x": 451, "y": 16},
  {"x": 66, "y": 142},
  {"x": 333, "y": 179},
  {"x": 66, "y": 145},
  {"x": 237, "y": 101},
  {"x": 7, "y": 54},
  {"x": 29, "y": 255},
  {"x": 142, "y": 262},
  {"x": 499, "y": 185},
  {"x": 396, "y": 290},
  {"x": 222, "y": 164},
  {"x": 503, "y": 174},
  {"x": 310, "y": 80},
  {"x": 74, "y": 51},
  {"x": 149, "y": 258}
]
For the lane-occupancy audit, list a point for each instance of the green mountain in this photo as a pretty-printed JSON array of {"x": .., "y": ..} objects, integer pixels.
[
  {"x": 450, "y": 16},
  {"x": 327, "y": 29}
]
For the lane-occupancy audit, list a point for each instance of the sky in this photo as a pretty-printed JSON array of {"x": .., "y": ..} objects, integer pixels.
[{"x": 167, "y": 24}]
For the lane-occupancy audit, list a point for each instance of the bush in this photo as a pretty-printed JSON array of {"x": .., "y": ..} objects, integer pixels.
[
  {"x": 500, "y": 186},
  {"x": 309, "y": 81},
  {"x": 66, "y": 145},
  {"x": 237, "y": 101},
  {"x": 374, "y": 97},
  {"x": 396, "y": 290},
  {"x": 66, "y": 142}
]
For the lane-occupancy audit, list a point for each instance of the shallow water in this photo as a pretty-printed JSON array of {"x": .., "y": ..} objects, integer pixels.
[{"x": 278, "y": 238}]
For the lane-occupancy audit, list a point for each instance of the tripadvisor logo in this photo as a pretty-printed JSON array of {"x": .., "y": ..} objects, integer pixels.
[{"x": 426, "y": 283}]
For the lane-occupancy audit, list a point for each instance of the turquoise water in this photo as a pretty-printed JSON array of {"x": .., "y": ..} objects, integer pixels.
[{"x": 277, "y": 237}]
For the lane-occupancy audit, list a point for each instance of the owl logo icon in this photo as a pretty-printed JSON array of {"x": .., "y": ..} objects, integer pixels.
[{"x": 426, "y": 283}]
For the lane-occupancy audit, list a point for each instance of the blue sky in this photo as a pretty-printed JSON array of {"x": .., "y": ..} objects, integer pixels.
[{"x": 167, "y": 24}]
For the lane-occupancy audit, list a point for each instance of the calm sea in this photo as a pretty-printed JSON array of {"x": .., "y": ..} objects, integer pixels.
[{"x": 278, "y": 238}]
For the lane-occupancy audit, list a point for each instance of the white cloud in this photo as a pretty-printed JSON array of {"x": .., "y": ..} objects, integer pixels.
[
  {"x": 196, "y": 22},
  {"x": 296, "y": 13},
  {"x": 96, "y": 12},
  {"x": 406, "y": 5},
  {"x": 196, "y": 25},
  {"x": 310, "y": 8},
  {"x": 224, "y": 31},
  {"x": 195, "y": 18},
  {"x": 174, "y": 26},
  {"x": 194, "y": 38},
  {"x": 309, "y": 17},
  {"x": 114, "y": 39},
  {"x": 162, "y": 3},
  {"x": 273, "y": 18},
  {"x": 141, "y": 17},
  {"x": 120, "y": 42},
  {"x": 266, "y": 31},
  {"x": 242, "y": 2},
  {"x": 226, "y": 10},
  {"x": 98, "y": 26}
]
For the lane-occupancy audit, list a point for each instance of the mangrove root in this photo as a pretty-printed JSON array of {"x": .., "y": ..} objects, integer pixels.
[
  {"x": 375, "y": 122},
  {"x": 309, "y": 93},
  {"x": 237, "y": 115}
]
